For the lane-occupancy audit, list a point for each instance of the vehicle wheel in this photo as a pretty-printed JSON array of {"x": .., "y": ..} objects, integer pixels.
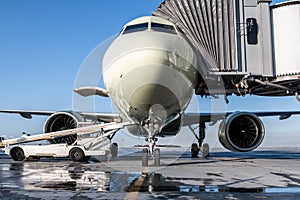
[
  {"x": 114, "y": 150},
  {"x": 145, "y": 157},
  {"x": 77, "y": 155},
  {"x": 157, "y": 157},
  {"x": 194, "y": 150},
  {"x": 17, "y": 154}
]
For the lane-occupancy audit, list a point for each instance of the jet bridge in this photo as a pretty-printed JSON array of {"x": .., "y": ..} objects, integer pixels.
[{"x": 253, "y": 46}]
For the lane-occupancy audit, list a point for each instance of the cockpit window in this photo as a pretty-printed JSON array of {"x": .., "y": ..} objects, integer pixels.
[
  {"x": 163, "y": 28},
  {"x": 136, "y": 28}
]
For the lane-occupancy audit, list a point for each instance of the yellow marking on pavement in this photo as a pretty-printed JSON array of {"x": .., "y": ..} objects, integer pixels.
[{"x": 134, "y": 190}]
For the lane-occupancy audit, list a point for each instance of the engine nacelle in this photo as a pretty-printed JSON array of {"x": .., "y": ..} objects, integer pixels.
[
  {"x": 241, "y": 132},
  {"x": 63, "y": 121}
]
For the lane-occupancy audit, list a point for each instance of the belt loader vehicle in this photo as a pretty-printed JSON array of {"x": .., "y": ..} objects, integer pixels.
[{"x": 92, "y": 140}]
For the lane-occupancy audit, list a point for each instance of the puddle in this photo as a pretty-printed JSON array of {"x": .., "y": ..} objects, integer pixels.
[
  {"x": 63, "y": 175},
  {"x": 283, "y": 190},
  {"x": 91, "y": 178},
  {"x": 3, "y": 155}
]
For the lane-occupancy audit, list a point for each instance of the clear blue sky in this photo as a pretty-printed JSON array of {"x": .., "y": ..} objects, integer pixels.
[{"x": 43, "y": 44}]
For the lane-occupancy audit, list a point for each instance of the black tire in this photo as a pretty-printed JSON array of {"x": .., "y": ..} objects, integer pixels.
[
  {"x": 17, "y": 154},
  {"x": 114, "y": 150},
  {"x": 194, "y": 150},
  {"x": 145, "y": 157},
  {"x": 77, "y": 155},
  {"x": 157, "y": 157}
]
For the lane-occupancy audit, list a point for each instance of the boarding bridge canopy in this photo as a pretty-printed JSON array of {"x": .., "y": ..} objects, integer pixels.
[
  {"x": 238, "y": 35},
  {"x": 209, "y": 25},
  {"x": 237, "y": 39}
]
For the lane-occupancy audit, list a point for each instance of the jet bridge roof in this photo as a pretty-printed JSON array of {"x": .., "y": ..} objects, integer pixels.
[
  {"x": 235, "y": 38},
  {"x": 210, "y": 26},
  {"x": 236, "y": 35}
]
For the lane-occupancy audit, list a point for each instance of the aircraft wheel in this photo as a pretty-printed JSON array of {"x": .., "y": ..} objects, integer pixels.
[
  {"x": 114, "y": 150},
  {"x": 157, "y": 157},
  {"x": 17, "y": 154},
  {"x": 145, "y": 157},
  {"x": 77, "y": 155},
  {"x": 194, "y": 150},
  {"x": 205, "y": 150}
]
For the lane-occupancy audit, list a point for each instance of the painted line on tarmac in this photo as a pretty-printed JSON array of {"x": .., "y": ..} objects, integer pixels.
[{"x": 133, "y": 192}]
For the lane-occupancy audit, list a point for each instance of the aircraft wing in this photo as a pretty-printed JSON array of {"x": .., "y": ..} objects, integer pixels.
[
  {"x": 28, "y": 113},
  {"x": 104, "y": 117},
  {"x": 189, "y": 118},
  {"x": 195, "y": 118}
]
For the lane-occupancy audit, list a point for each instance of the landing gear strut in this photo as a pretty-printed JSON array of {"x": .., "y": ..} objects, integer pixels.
[
  {"x": 153, "y": 124},
  {"x": 204, "y": 148},
  {"x": 152, "y": 150}
]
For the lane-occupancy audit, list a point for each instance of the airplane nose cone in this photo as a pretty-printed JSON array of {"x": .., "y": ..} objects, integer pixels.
[
  {"x": 158, "y": 85},
  {"x": 153, "y": 98}
]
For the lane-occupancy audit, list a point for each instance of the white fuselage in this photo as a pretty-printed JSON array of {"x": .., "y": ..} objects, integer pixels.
[{"x": 149, "y": 74}]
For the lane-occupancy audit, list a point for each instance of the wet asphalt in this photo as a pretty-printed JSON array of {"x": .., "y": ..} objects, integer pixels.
[{"x": 261, "y": 174}]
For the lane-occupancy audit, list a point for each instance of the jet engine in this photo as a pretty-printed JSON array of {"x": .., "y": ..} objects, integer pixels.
[
  {"x": 241, "y": 132},
  {"x": 63, "y": 121}
]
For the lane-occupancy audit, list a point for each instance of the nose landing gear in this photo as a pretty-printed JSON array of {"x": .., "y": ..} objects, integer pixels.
[{"x": 152, "y": 150}]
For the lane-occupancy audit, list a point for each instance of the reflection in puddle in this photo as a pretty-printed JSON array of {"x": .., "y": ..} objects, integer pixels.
[
  {"x": 75, "y": 178},
  {"x": 88, "y": 178}
]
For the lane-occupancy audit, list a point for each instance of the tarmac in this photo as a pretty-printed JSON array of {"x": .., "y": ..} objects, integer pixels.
[{"x": 262, "y": 174}]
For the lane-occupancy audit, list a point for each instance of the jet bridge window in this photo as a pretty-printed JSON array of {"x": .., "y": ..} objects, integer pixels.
[
  {"x": 136, "y": 28},
  {"x": 163, "y": 28}
]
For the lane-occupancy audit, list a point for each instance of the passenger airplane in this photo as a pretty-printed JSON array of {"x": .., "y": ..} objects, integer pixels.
[{"x": 150, "y": 72}]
